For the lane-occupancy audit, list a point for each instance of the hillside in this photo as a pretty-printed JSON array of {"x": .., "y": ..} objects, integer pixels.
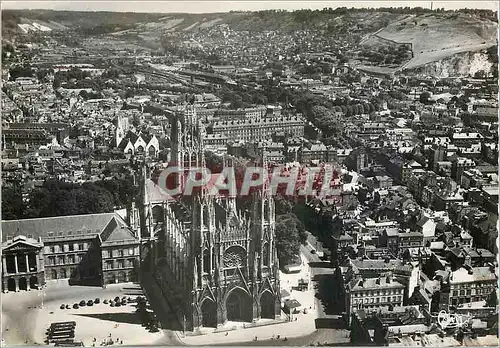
[
  {"x": 438, "y": 36},
  {"x": 401, "y": 38}
]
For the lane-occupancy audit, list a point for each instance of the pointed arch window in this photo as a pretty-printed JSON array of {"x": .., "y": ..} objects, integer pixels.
[
  {"x": 206, "y": 261},
  {"x": 265, "y": 255},
  {"x": 266, "y": 210}
]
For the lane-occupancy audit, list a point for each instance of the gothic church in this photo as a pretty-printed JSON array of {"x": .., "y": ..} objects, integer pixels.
[{"x": 214, "y": 257}]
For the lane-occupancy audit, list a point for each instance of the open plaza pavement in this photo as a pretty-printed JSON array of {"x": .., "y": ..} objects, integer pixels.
[{"x": 27, "y": 315}]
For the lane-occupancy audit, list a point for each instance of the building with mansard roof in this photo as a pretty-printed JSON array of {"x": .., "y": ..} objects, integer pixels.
[{"x": 92, "y": 249}]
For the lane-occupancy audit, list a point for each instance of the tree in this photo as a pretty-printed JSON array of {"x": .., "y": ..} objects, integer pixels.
[
  {"x": 56, "y": 198},
  {"x": 12, "y": 203},
  {"x": 21, "y": 71},
  {"x": 290, "y": 234},
  {"x": 425, "y": 98}
]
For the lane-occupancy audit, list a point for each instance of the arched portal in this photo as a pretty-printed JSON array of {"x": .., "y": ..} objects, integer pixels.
[
  {"x": 121, "y": 277},
  {"x": 11, "y": 284},
  {"x": 33, "y": 282},
  {"x": 239, "y": 306},
  {"x": 130, "y": 276},
  {"x": 111, "y": 278},
  {"x": 140, "y": 149},
  {"x": 209, "y": 313},
  {"x": 267, "y": 305},
  {"x": 23, "y": 284}
]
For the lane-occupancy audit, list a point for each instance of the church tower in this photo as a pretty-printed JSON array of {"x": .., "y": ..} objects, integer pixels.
[{"x": 122, "y": 127}]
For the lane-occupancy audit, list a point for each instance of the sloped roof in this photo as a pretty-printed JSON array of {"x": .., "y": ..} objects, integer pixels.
[
  {"x": 123, "y": 144},
  {"x": 374, "y": 283},
  {"x": 422, "y": 221},
  {"x": 155, "y": 194},
  {"x": 117, "y": 230},
  {"x": 88, "y": 225},
  {"x": 479, "y": 274},
  {"x": 110, "y": 226}
]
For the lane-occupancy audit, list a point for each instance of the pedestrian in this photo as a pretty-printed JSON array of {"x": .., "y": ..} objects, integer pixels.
[
  {"x": 227, "y": 333},
  {"x": 278, "y": 337},
  {"x": 121, "y": 342}
]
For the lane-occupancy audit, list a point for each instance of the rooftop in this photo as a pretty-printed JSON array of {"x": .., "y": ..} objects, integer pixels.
[{"x": 477, "y": 274}]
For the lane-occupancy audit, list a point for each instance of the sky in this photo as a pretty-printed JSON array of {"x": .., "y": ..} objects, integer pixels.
[{"x": 209, "y": 6}]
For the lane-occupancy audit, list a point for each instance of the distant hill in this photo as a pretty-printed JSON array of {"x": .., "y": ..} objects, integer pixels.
[
  {"x": 432, "y": 36},
  {"x": 252, "y": 21}
]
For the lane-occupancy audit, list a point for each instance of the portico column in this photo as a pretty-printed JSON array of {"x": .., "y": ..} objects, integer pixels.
[
  {"x": 15, "y": 263},
  {"x": 27, "y": 263},
  {"x": 4, "y": 264},
  {"x": 17, "y": 280}
]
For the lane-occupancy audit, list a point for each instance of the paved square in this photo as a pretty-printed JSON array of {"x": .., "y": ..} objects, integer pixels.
[{"x": 27, "y": 315}]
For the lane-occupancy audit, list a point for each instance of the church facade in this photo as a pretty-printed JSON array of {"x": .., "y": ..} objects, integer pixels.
[{"x": 214, "y": 257}]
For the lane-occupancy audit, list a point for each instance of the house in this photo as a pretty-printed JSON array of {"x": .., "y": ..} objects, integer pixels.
[{"x": 427, "y": 226}]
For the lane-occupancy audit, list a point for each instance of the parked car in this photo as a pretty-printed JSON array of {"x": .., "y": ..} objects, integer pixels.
[
  {"x": 111, "y": 304},
  {"x": 67, "y": 306},
  {"x": 82, "y": 303},
  {"x": 105, "y": 301},
  {"x": 63, "y": 306},
  {"x": 90, "y": 303},
  {"x": 118, "y": 304},
  {"x": 97, "y": 300},
  {"x": 76, "y": 306},
  {"x": 117, "y": 298}
]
